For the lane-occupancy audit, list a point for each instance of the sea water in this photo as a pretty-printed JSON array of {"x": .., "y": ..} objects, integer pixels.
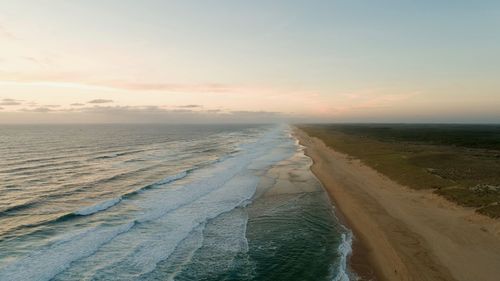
[{"x": 164, "y": 202}]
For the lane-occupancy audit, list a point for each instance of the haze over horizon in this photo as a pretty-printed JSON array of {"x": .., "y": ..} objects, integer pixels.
[{"x": 249, "y": 61}]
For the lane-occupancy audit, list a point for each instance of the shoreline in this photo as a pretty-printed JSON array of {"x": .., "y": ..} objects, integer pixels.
[
  {"x": 403, "y": 234},
  {"x": 359, "y": 261}
]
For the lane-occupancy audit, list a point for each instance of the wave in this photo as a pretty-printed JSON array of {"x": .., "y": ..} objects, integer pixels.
[
  {"x": 223, "y": 237},
  {"x": 181, "y": 257},
  {"x": 164, "y": 181},
  {"x": 89, "y": 210},
  {"x": 118, "y": 154},
  {"x": 98, "y": 207},
  {"x": 149, "y": 244},
  {"x": 76, "y": 187},
  {"x": 110, "y": 203},
  {"x": 172, "y": 178},
  {"x": 345, "y": 250},
  {"x": 144, "y": 250},
  {"x": 134, "y": 160},
  {"x": 74, "y": 155},
  {"x": 18, "y": 207},
  {"x": 46, "y": 159},
  {"x": 105, "y": 157},
  {"x": 166, "y": 217},
  {"x": 104, "y": 205},
  {"x": 46, "y": 167},
  {"x": 37, "y": 265}
]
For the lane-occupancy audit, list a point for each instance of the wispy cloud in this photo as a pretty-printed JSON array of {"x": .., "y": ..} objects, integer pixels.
[
  {"x": 100, "y": 101},
  {"x": 37, "y": 110},
  {"x": 9, "y": 102},
  {"x": 190, "y": 106},
  {"x": 254, "y": 113},
  {"x": 144, "y": 114}
]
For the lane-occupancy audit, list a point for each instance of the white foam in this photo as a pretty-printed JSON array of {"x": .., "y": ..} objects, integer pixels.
[
  {"x": 165, "y": 217},
  {"x": 45, "y": 263},
  {"x": 345, "y": 250},
  {"x": 137, "y": 251},
  {"x": 172, "y": 178},
  {"x": 104, "y": 205},
  {"x": 184, "y": 253},
  {"x": 224, "y": 238},
  {"x": 98, "y": 207}
]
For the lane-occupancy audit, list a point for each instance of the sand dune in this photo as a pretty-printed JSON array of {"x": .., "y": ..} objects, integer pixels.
[{"x": 406, "y": 234}]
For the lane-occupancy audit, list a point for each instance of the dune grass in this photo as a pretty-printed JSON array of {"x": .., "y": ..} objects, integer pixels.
[{"x": 459, "y": 162}]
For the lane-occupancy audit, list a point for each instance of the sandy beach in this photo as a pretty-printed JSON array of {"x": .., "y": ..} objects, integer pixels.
[{"x": 402, "y": 233}]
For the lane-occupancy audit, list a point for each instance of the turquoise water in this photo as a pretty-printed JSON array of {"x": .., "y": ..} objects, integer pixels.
[{"x": 153, "y": 202}]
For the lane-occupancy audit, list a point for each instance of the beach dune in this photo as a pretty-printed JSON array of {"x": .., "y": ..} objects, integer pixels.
[{"x": 405, "y": 234}]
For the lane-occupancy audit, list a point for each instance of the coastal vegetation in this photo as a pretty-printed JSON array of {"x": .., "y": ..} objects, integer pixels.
[{"x": 459, "y": 162}]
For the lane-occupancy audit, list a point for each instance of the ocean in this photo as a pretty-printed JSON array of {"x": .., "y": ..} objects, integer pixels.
[{"x": 164, "y": 202}]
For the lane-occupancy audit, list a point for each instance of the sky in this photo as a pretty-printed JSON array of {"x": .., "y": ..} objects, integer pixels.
[{"x": 148, "y": 61}]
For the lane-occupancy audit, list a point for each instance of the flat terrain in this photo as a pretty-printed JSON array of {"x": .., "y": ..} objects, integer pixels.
[
  {"x": 405, "y": 233},
  {"x": 459, "y": 162}
]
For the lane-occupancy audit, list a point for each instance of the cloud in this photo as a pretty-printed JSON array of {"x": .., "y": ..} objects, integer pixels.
[
  {"x": 138, "y": 114},
  {"x": 254, "y": 113},
  {"x": 99, "y": 101},
  {"x": 157, "y": 114},
  {"x": 190, "y": 106},
  {"x": 77, "y": 104},
  {"x": 118, "y": 109},
  {"x": 38, "y": 110},
  {"x": 8, "y": 102},
  {"x": 143, "y": 110}
]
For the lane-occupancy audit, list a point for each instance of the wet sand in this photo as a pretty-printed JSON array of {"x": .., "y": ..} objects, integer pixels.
[{"x": 404, "y": 234}]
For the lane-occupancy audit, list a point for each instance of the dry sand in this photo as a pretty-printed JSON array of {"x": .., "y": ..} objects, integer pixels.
[{"x": 406, "y": 234}]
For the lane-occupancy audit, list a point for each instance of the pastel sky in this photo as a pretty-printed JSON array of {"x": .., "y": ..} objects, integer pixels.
[{"x": 249, "y": 61}]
